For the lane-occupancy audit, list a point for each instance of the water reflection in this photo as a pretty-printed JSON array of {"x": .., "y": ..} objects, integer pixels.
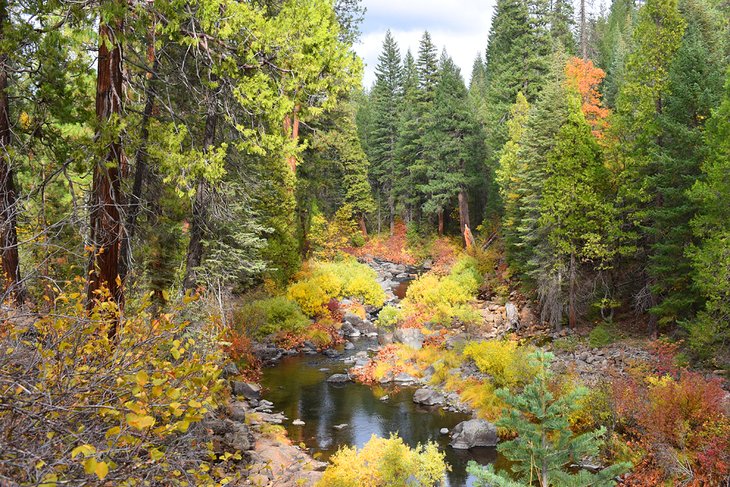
[{"x": 297, "y": 387}]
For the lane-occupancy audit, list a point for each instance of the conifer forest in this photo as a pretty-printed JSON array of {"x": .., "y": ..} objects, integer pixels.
[{"x": 239, "y": 247}]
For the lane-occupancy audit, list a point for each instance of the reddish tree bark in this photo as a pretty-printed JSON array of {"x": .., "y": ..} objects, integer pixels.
[
  {"x": 441, "y": 223},
  {"x": 105, "y": 199},
  {"x": 464, "y": 213},
  {"x": 291, "y": 127},
  {"x": 363, "y": 227},
  {"x": 8, "y": 192}
]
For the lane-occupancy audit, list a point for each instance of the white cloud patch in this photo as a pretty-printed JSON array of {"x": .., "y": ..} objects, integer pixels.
[{"x": 461, "y": 27}]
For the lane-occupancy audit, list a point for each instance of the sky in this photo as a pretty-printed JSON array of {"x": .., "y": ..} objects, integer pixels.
[{"x": 460, "y": 26}]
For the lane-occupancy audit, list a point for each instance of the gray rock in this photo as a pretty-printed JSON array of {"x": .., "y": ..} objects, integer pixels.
[
  {"x": 385, "y": 338},
  {"x": 473, "y": 433},
  {"x": 349, "y": 345},
  {"x": 298, "y": 422},
  {"x": 230, "y": 370},
  {"x": 444, "y": 431},
  {"x": 349, "y": 331},
  {"x": 245, "y": 389},
  {"x": 409, "y": 336},
  {"x": 404, "y": 378},
  {"x": 361, "y": 362},
  {"x": 513, "y": 316},
  {"x": 384, "y": 398},
  {"x": 428, "y": 397},
  {"x": 353, "y": 319},
  {"x": 338, "y": 378},
  {"x": 237, "y": 410},
  {"x": 331, "y": 353},
  {"x": 340, "y": 426}
]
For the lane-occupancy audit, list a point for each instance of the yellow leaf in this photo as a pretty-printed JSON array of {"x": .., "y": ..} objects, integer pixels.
[
  {"x": 85, "y": 450},
  {"x": 113, "y": 431},
  {"x": 175, "y": 353},
  {"x": 101, "y": 470},
  {"x": 183, "y": 425},
  {"x": 194, "y": 404},
  {"x": 90, "y": 465},
  {"x": 156, "y": 454},
  {"x": 142, "y": 378},
  {"x": 140, "y": 422}
]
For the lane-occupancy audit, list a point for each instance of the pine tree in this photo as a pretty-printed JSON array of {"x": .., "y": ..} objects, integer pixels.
[
  {"x": 641, "y": 101},
  {"x": 427, "y": 67},
  {"x": 451, "y": 143},
  {"x": 545, "y": 447},
  {"x": 576, "y": 215},
  {"x": 710, "y": 332},
  {"x": 614, "y": 33},
  {"x": 562, "y": 25},
  {"x": 408, "y": 149},
  {"x": 695, "y": 81},
  {"x": 385, "y": 112}
]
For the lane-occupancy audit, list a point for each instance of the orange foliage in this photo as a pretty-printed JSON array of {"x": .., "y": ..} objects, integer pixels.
[
  {"x": 241, "y": 351},
  {"x": 391, "y": 248},
  {"x": 585, "y": 77},
  {"x": 387, "y": 355},
  {"x": 444, "y": 253},
  {"x": 675, "y": 415}
]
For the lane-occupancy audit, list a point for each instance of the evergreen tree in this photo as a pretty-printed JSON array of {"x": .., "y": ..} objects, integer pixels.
[
  {"x": 694, "y": 85},
  {"x": 545, "y": 447},
  {"x": 614, "y": 42},
  {"x": 575, "y": 212},
  {"x": 562, "y": 25},
  {"x": 386, "y": 102},
  {"x": 710, "y": 332},
  {"x": 641, "y": 101},
  {"x": 427, "y": 67},
  {"x": 451, "y": 143},
  {"x": 408, "y": 149}
]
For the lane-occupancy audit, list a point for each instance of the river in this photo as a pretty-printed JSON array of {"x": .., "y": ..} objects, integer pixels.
[{"x": 297, "y": 386}]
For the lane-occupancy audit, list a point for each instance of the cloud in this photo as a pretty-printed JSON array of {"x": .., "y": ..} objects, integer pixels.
[{"x": 461, "y": 27}]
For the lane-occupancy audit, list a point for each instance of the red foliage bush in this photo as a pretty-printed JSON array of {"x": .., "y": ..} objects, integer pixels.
[
  {"x": 392, "y": 248},
  {"x": 679, "y": 418},
  {"x": 240, "y": 351}
]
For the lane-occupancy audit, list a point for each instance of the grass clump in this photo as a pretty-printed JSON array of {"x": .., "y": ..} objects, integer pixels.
[
  {"x": 604, "y": 334},
  {"x": 320, "y": 282},
  {"x": 270, "y": 316},
  {"x": 386, "y": 462},
  {"x": 388, "y": 317}
]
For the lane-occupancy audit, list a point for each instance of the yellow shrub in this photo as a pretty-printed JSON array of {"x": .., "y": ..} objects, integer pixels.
[
  {"x": 323, "y": 281},
  {"x": 504, "y": 360},
  {"x": 445, "y": 298},
  {"x": 108, "y": 408},
  {"x": 385, "y": 462},
  {"x": 481, "y": 396}
]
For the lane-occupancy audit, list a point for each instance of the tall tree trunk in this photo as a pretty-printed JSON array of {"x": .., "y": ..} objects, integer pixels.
[
  {"x": 572, "y": 315},
  {"x": 8, "y": 192},
  {"x": 363, "y": 226},
  {"x": 140, "y": 170},
  {"x": 441, "y": 222},
  {"x": 464, "y": 212},
  {"x": 583, "y": 31},
  {"x": 200, "y": 203},
  {"x": 105, "y": 199},
  {"x": 291, "y": 127},
  {"x": 391, "y": 208}
]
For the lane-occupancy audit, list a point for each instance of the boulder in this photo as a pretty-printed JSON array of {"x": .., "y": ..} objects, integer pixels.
[
  {"x": 428, "y": 397},
  {"x": 353, "y": 319},
  {"x": 246, "y": 389},
  {"x": 230, "y": 370},
  {"x": 409, "y": 336},
  {"x": 237, "y": 411},
  {"x": 473, "y": 433},
  {"x": 349, "y": 331},
  {"x": 332, "y": 353},
  {"x": 267, "y": 353},
  {"x": 385, "y": 338},
  {"x": 444, "y": 431},
  {"x": 404, "y": 379},
  {"x": 512, "y": 315},
  {"x": 338, "y": 378},
  {"x": 349, "y": 345}
]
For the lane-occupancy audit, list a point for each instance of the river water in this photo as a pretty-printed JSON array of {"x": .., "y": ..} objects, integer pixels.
[{"x": 297, "y": 386}]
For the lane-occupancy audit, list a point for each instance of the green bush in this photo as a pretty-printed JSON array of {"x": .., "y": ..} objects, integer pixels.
[
  {"x": 384, "y": 463},
  {"x": 268, "y": 316},
  {"x": 602, "y": 335},
  {"x": 388, "y": 317},
  {"x": 323, "y": 281}
]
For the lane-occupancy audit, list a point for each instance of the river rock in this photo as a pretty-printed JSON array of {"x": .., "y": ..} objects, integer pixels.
[
  {"x": 267, "y": 353},
  {"x": 246, "y": 389},
  {"x": 513, "y": 317},
  {"x": 428, "y": 397},
  {"x": 403, "y": 378},
  {"x": 230, "y": 370},
  {"x": 444, "y": 431},
  {"x": 473, "y": 433},
  {"x": 349, "y": 345},
  {"x": 298, "y": 422},
  {"x": 237, "y": 410},
  {"x": 411, "y": 337},
  {"x": 331, "y": 353},
  {"x": 340, "y": 426},
  {"x": 227, "y": 435},
  {"x": 385, "y": 338},
  {"x": 353, "y": 319},
  {"x": 349, "y": 331},
  {"x": 338, "y": 378}
]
